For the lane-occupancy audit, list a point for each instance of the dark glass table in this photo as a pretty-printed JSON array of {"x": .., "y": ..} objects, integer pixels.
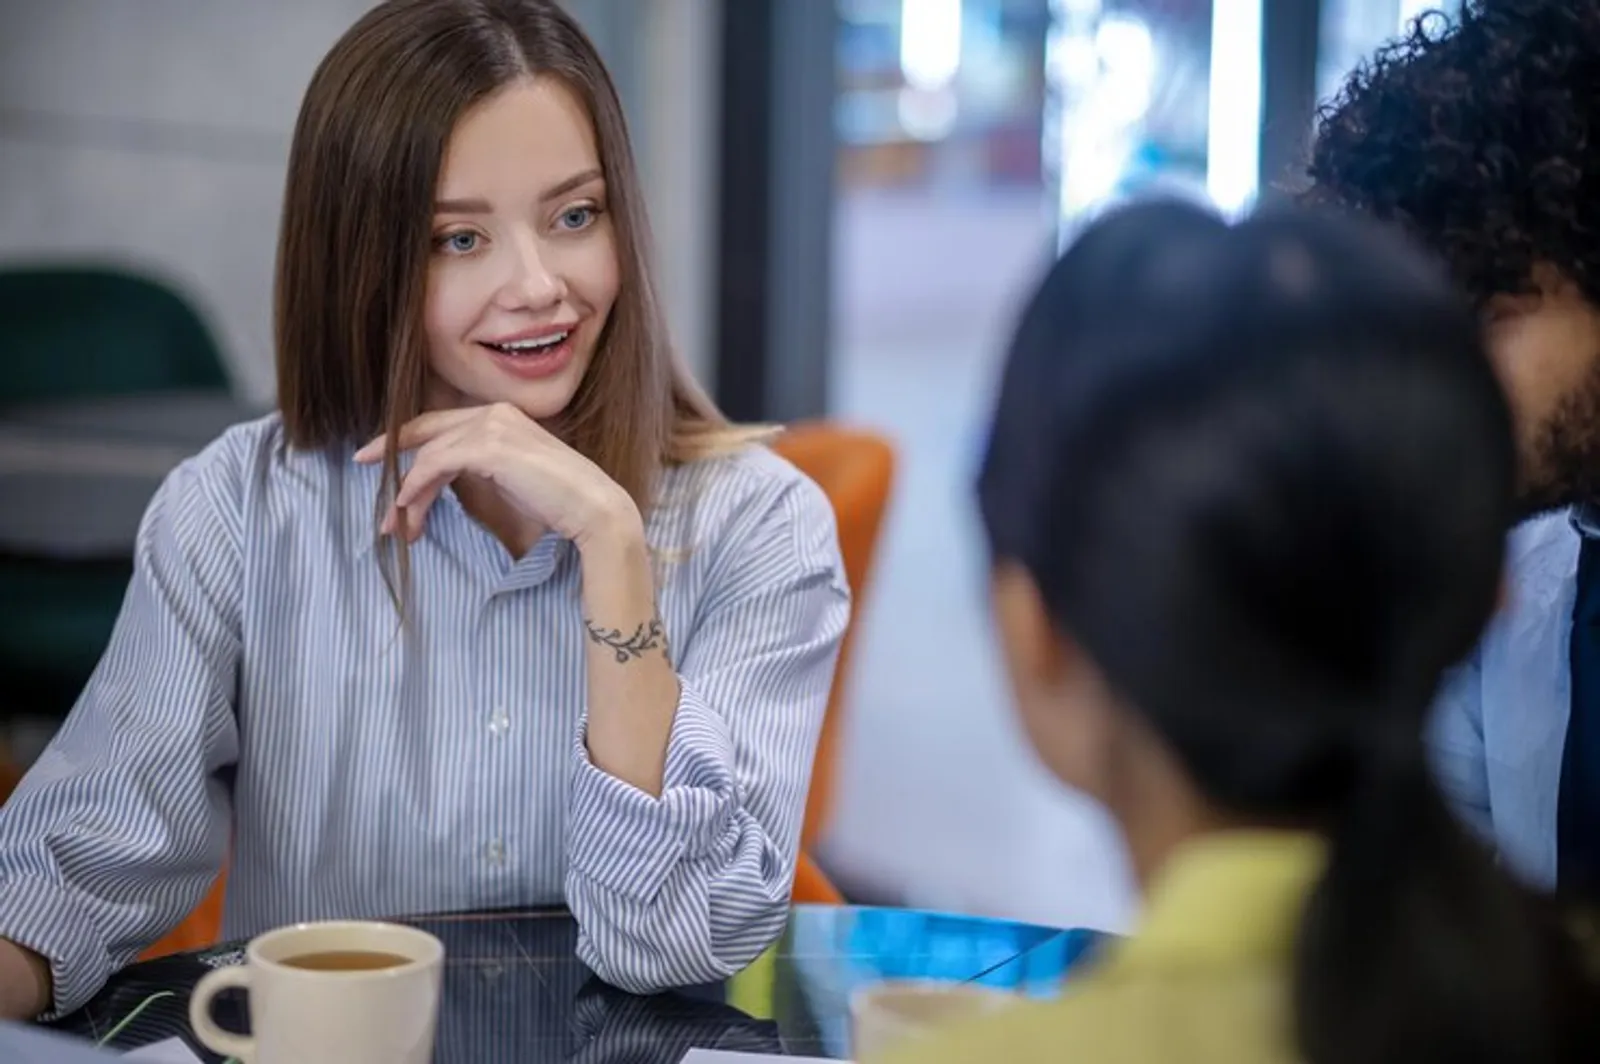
[{"x": 515, "y": 991}]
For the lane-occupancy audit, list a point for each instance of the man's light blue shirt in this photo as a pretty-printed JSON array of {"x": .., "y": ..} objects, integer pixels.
[{"x": 1501, "y": 722}]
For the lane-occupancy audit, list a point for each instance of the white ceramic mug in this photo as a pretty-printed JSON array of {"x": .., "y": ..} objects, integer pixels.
[
  {"x": 887, "y": 1015},
  {"x": 299, "y": 1015}
]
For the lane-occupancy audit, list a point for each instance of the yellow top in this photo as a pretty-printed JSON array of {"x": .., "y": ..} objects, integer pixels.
[{"x": 1205, "y": 980}]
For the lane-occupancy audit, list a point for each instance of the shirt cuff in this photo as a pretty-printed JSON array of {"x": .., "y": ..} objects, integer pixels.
[
  {"x": 628, "y": 841},
  {"x": 37, "y": 914}
]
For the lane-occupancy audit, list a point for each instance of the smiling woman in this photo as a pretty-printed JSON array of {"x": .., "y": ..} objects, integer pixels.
[{"x": 619, "y": 612}]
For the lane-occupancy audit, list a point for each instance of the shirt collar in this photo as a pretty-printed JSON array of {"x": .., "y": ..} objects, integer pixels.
[
  {"x": 1585, "y": 517},
  {"x": 363, "y": 483},
  {"x": 1228, "y": 897}
]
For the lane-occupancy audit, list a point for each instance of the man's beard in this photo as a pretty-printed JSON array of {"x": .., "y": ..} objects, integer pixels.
[{"x": 1563, "y": 466}]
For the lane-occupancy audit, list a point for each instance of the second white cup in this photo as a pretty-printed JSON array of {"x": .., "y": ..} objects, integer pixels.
[{"x": 885, "y": 1016}]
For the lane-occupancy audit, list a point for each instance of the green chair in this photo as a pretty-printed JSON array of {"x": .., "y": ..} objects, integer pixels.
[{"x": 79, "y": 333}]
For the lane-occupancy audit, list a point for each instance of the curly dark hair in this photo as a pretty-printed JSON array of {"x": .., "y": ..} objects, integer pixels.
[{"x": 1482, "y": 138}]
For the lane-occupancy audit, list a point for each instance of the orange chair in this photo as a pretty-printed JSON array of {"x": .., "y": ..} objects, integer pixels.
[
  {"x": 10, "y": 775},
  {"x": 855, "y": 470},
  {"x": 200, "y": 929}
]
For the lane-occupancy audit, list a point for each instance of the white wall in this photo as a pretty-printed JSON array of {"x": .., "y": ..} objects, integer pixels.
[
  {"x": 154, "y": 133},
  {"x": 675, "y": 125}
]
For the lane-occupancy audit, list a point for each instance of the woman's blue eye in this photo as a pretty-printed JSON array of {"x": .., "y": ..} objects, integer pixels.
[
  {"x": 577, "y": 217},
  {"x": 462, "y": 242}
]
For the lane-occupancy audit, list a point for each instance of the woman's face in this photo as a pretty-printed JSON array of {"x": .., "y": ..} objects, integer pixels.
[{"x": 523, "y": 272}]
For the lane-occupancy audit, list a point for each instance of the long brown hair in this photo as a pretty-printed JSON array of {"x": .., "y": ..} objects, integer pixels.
[{"x": 354, "y": 245}]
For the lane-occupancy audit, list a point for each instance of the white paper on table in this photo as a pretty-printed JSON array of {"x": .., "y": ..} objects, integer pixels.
[
  {"x": 724, "y": 1056},
  {"x": 172, "y": 1051}
]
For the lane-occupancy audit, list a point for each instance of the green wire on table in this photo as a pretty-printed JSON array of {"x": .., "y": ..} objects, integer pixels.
[{"x": 135, "y": 1014}]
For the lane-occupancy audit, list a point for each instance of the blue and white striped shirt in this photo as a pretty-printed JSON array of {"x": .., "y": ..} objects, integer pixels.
[{"x": 259, "y": 703}]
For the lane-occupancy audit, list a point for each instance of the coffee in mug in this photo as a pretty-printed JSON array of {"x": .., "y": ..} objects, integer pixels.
[{"x": 346, "y": 960}]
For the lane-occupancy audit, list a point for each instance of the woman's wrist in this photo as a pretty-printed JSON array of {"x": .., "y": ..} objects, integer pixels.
[{"x": 615, "y": 532}]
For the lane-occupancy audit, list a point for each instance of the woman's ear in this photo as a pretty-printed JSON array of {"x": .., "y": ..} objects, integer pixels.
[
  {"x": 1067, "y": 710},
  {"x": 1028, "y": 641}
]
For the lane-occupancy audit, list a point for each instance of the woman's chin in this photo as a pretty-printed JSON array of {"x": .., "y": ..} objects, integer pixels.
[
  {"x": 542, "y": 405},
  {"x": 542, "y": 401}
]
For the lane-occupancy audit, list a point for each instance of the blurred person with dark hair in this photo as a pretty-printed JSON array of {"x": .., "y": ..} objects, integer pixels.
[
  {"x": 1246, "y": 495},
  {"x": 1482, "y": 140}
]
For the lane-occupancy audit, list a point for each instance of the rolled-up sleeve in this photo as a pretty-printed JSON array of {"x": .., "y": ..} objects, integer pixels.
[
  {"x": 691, "y": 886},
  {"x": 121, "y": 826}
]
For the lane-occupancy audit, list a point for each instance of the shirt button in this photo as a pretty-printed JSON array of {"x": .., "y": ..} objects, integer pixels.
[
  {"x": 500, "y": 723},
  {"x": 495, "y": 852}
]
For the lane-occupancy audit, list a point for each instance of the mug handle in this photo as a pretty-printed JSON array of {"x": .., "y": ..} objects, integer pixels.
[{"x": 211, "y": 1036}]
